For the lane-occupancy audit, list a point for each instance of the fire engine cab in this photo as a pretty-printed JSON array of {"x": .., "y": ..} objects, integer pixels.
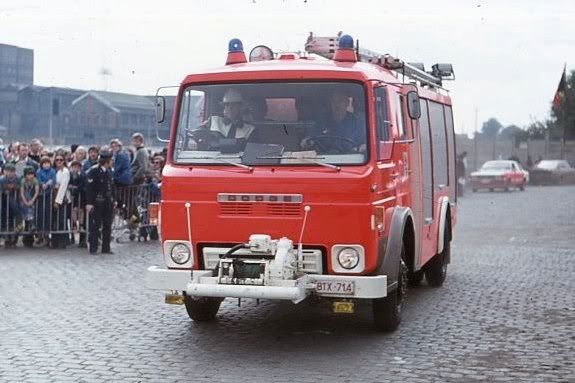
[{"x": 328, "y": 173}]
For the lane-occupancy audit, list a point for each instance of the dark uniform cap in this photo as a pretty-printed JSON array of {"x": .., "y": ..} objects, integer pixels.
[{"x": 105, "y": 153}]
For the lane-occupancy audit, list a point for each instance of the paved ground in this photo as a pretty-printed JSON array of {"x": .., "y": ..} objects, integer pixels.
[{"x": 506, "y": 313}]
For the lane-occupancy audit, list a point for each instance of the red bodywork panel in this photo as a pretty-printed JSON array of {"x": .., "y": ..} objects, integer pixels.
[{"x": 342, "y": 203}]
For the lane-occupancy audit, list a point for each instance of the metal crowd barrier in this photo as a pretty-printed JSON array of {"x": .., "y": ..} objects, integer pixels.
[{"x": 131, "y": 214}]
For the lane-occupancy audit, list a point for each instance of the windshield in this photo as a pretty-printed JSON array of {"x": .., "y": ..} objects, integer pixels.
[
  {"x": 496, "y": 165},
  {"x": 272, "y": 124}
]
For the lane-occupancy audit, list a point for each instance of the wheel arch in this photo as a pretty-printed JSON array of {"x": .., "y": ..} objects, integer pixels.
[
  {"x": 401, "y": 227},
  {"x": 444, "y": 224}
]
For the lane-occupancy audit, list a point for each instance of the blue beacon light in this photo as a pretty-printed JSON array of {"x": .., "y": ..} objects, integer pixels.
[
  {"x": 346, "y": 42},
  {"x": 235, "y": 45}
]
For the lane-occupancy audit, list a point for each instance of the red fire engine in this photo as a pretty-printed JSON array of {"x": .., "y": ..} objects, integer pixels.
[{"x": 292, "y": 176}]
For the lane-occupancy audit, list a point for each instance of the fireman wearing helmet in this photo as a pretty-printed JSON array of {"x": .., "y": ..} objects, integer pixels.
[
  {"x": 100, "y": 202},
  {"x": 231, "y": 125}
]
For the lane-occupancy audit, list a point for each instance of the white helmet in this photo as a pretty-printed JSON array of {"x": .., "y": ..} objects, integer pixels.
[{"x": 232, "y": 96}]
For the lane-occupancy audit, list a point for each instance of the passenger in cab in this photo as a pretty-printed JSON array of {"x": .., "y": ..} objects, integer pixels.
[
  {"x": 230, "y": 126},
  {"x": 340, "y": 132}
]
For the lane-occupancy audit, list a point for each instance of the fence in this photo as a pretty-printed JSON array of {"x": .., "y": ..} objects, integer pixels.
[
  {"x": 44, "y": 217},
  {"x": 484, "y": 149}
]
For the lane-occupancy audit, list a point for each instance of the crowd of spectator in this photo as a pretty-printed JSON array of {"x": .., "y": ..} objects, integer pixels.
[{"x": 42, "y": 192}]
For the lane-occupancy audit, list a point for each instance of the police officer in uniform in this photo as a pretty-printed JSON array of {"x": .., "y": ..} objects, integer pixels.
[{"x": 100, "y": 202}]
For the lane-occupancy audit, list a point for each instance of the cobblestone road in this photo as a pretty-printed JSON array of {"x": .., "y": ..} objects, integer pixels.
[{"x": 505, "y": 314}]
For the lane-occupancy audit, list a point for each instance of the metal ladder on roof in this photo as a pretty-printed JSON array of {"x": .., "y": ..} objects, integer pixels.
[{"x": 325, "y": 46}]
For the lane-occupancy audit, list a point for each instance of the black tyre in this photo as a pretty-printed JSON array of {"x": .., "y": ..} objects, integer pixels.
[
  {"x": 491, "y": 190},
  {"x": 202, "y": 309},
  {"x": 474, "y": 190},
  {"x": 414, "y": 278},
  {"x": 522, "y": 187},
  {"x": 436, "y": 269},
  {"x": 387, "y": 310}
]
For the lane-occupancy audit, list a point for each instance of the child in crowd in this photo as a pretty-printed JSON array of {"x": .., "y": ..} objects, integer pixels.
[
  {"x": 47, "y": 179},
  {"x": 78, "y": 192},
  {"x": 29, "y": 191},
  {"x": 9, "y": 209}
]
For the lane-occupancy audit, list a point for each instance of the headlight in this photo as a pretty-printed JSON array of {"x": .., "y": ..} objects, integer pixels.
[
  {"x": 348, "y": 258},
  {"x": 180, "y": 254}
]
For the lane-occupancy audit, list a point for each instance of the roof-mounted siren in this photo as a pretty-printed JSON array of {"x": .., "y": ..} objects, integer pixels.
[
  {"x": 345, "y": 51},
  {"x": 443, "y": 71},
  {"x": 235, "y": 52}
]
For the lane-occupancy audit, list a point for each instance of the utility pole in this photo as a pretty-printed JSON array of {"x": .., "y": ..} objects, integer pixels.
[
  {"x": 51, "y": 110},
  {"x": 475, "y": 141},
  {"x": 565, "y": 121}
]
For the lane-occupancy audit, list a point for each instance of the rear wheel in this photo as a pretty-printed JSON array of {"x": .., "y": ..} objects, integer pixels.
[
  {"x": 522, "y": 186},
  {"x": 202, "y": 309},
  {"x": 387, "y": 310},
  {"x": 436, "y": 270}
]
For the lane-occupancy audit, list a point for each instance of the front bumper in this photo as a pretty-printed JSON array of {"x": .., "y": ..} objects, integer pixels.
[
  {"x": 201, "y": 283},
  {"x": 489, "y": 184}
]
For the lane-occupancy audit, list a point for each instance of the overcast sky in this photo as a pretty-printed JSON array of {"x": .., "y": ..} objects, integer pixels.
[{"x": 508, "y": 54}]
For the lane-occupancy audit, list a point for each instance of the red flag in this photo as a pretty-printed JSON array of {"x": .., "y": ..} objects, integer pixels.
[{"x": 560, "y": 93}]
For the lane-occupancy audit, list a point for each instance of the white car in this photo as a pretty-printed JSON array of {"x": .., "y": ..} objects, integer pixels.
[{"x": 500, "y": 174}]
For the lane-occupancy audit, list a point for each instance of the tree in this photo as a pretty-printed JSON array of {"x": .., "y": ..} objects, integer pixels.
[
  {"x": 564, "y": 115},
  {"x": 536, "y": 130},
  {"x": 491, "y": 127},
  {"x": 513, "y": 131}
]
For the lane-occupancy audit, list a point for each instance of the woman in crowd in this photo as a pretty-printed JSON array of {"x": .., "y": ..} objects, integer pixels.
[
  {"x": 61, "y": 201},
  {"x": 80, "y": 154}
]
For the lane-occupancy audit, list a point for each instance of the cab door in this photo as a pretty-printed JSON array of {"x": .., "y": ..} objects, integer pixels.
[{"x": 415, "y": 177}]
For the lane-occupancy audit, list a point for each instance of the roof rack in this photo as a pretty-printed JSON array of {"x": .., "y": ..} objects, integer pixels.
[{"x": 326, "y": 46}]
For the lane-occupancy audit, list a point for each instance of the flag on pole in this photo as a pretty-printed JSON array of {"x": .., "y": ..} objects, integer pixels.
[{"x": 561, "y": 89}]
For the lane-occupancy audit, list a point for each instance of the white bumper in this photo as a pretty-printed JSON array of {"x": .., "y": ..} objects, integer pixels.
[{"x": 204, "y": 285}]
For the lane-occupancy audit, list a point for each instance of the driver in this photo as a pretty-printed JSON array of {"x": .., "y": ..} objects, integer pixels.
[
  {"x": 343, "y": 130},
  {"x": 231, "y": 125}
]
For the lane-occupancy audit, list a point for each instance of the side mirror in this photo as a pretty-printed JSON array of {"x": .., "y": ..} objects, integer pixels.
[
  {"x": 160, "y": 109},
  {"x": 413, "y": 106}
]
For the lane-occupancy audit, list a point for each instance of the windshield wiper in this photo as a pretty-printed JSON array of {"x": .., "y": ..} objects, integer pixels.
[
  {"x": 309, "y": 159},
  {"x": 225, "y": 160}
]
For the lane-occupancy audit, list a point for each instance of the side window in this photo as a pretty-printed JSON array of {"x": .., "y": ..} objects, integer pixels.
[
  {"x": 381, "y": 115},
  {"x": 398, "y": 109},
  {"x": 437, "y": 119}
]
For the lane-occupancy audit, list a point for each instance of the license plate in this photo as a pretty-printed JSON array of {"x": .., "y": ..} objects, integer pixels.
[
  {"x": 485, "y": 181},
  {"x": 335, "y": 287},
  {"x": 341, "y": 307}
]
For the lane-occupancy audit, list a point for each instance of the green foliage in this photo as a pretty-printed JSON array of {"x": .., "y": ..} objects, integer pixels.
[{"x": 491, "y": 127}]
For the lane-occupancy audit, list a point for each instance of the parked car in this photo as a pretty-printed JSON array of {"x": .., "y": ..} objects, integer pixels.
[
  {"x": 553, "y": 172},
  {"x": 500, "y": 174}
]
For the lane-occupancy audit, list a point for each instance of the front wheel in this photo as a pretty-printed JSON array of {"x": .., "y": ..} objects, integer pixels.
[
  {"x": 202, "y": 309},
  {"x": 387, "y": 310}
]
